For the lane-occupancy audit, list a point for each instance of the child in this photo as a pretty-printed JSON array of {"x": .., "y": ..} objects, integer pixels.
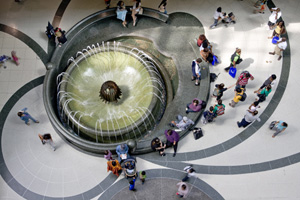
[
  {"x": 15, "y": 57},
  {"x": 143, "y": 176},
  {"x": 208, "y": 116},
  {"x": 3, "y": 59},
  {"x": 132, "y": 184},
  {"x": 108, "y": 155}
]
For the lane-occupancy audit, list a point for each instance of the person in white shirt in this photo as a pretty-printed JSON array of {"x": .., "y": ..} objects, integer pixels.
[
  {"x": 190, "y": 173},
  {"x": 275, "y": 15},
  {"x": 217, "y": 16},
  {"x": 248, "y": 119},
  {"x": 281, "y": 46}
]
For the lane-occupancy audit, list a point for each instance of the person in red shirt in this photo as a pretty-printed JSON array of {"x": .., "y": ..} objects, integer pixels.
[{"x": 243, "y": 79}]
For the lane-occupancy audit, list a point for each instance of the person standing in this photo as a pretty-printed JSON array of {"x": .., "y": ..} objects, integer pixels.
[
  {"x": 279, "y": 30},
  {"x": 281, "y": 46},
  {"x": 254, "y": 106},
  {"x": 25, "y": 116},
  {"x": 143, "y": 176},
  {"x": 279, "y": 127},
  {"x": 132, "y": 184},
  {"x": 248, "y": 119},
  {"x": 270, "y": 81},
  {"x": 196, "y": 70},
  {"x": 121, "y": 12},
  {"x": 135, "y": 10},
  {"x": 47, "y": 139},
  {"x": 172, "y": 139},
  {"x": 235, "y": 59},
  {"x": 217, "y": 16},
  {"x": 183, "y": 190}
]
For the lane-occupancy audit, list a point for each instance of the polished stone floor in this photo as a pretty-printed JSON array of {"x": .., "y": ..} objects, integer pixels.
[{"x": 231, "y": 162}]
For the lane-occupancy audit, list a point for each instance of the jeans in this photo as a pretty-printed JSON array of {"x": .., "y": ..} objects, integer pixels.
[
  {"x": 215, "y": 23},
  {"x": 188, "y": 109},
  {"x": 26, "y": 118},
  {"x": 169, "y": 144},
  {"x": 243, "y": 123}
]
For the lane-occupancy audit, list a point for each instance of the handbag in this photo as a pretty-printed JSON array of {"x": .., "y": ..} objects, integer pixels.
[
  {"x": 141, "y": 11},
  {"x": 273, "y": 123},
  {"x": 232, "y": 72}
]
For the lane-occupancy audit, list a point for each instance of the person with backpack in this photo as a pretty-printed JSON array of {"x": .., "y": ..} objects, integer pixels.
[
  {"x": 219, "y": 89},
  {"x": 248, "y": 119},
  {"x": 240, "y": 95},
  {"x": 196, "y": 70},
  {"x": 208, "y": 116},
  {"x": 243, "y": 79},
  {"x": 270, "y": 81},
  {"x": 235, "y": 59},
  {"x": 264, "y": 93},
  {"x": 219, "y": 108}
]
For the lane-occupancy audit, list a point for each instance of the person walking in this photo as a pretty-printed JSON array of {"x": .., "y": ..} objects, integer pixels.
[
  {"x": 47, "y": 139},
  {"x": 219, "y": 108},
  {"x": 278, "y": 126},
  {"x": 243, "y": 79},
  {"x": 248, "y": 119},
  {"x": 274, "y": 17},
  {"x": 239, "y": 92},
  {"x": 279, "y": 30},
  {"x": 235, "y": 59},
  {"x": 172, "y": 139},
  {"x": 26, "y": 117},
  {"x": 208, "y": 116},
  {"x": 254, "y": 106},
  {"x": 281, "y": 46},
  {"x": 190, "y": 173},
  {"x": 132, "y": 185},
  {"x": 196, "y": 71},
  {"x": 270, "y": 81},
  {"x": 219, "y": 89},
  {"x": 183, "y": 190},
  {"x": 217, "y": 16},
  {"x": 262, "y": 95}
]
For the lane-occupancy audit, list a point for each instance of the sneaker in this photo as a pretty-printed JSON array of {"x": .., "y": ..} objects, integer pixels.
[
  {"x": 36, "y": 121},
  {"x": 238, "y": 123},
  {"x": 162, "y": 155}
]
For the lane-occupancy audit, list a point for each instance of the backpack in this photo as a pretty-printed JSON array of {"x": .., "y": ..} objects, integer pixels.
[
  {"x": 213, "y": 77},
  {"x": 244, "y": 96},
  {"x": 216, "y": 92},
  {"x": 203, "y": 104},
  {"x": 221, "y": 110}
]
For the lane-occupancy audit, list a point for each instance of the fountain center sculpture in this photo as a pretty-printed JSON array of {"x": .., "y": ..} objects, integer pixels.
[{"x": 110, "y": 92}]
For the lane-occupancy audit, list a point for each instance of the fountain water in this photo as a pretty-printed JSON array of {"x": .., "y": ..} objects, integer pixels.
[{"x": 132, "y": 91}]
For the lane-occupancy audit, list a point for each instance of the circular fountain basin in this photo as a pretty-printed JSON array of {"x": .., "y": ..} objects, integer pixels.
[{"x": 138, "y": 109}]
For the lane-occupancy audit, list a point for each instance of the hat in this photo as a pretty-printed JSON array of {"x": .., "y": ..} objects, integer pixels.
[{"x": 185, "y": 118}]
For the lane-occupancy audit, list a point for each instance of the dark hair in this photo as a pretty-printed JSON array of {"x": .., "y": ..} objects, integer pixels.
[
  {"x": 220, "y": 102},
  {"x": 170, "y": 132},
  {"x": 273, "y": 76},
  {"x": 137, "y": 3},
  {"x": 269, "y": 87},
  {"x": 256, "y": 103},
  {"x": 156, "y": 140},
  {"x": 238, "y": 90},
  {"x": 255, "y": 112},
  {"x": 119, "y": 4},
  {"x": 199, "y": 60},
  {"x": 285, "y": 124},
  {"x": 196, "y": 101},
  {"x": 202, "y": 37},
  {"x": 113, "y": 163},
  {"x": 183, "y": 187},
  {"x": 219, "y": 9},
  {"x": 105, "y": 152},
  {"x": 221, "y": 86},
  {"x": 204, "y": 45},
  {"x": 131, "y": 182},
  {"x": 20, "y": 114},
  {"x": 191, "y": 170},
  {"x": 248, "y": 75},
  {"x": 143, "y": 173},
  {"x": 282, "y": 23},
  {"x": 211, "y": 108}
]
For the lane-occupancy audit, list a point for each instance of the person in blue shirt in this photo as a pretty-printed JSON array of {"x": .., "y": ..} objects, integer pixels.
[
  {"x": 25, "y": 116},
  {"x": 132, "y": 184},
  {"x": 279, "y": 127},
  {"x": 122, "y": 150}
]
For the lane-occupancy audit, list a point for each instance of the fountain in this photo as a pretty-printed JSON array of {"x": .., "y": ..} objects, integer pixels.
[{"x": 132, "y": 94}]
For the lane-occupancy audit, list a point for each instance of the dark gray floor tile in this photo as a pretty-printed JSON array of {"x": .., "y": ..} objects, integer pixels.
[
  {"x": 260, "y": 167},
  {"x": 243, "y": 169},
  {"x": 195, "y": 155},
  {"x": 218, "y": 170},
  {"x": 279, "y": 163},
  {"x": 294, "y": 158},
  {"x": 213, "y": 150},
  {"x": 231, "y": 143}
]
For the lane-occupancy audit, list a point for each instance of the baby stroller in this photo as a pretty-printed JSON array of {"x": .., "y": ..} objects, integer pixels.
[
  {"x": 129, "y": 167},
  {"x": 50, "y": 31},
  {"x": 229, "y": 19}
]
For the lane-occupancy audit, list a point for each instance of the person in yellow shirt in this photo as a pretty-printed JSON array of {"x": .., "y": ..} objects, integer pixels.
[{"x": 237, "y": 97}]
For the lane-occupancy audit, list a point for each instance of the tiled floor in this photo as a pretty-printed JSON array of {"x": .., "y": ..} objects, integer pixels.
[{"x": 32, "y": 171}]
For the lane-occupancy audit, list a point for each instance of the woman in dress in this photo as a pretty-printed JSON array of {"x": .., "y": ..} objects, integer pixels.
[
  {"x": 121, "y": 12},
  {"x": 135, "y": 10}
]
